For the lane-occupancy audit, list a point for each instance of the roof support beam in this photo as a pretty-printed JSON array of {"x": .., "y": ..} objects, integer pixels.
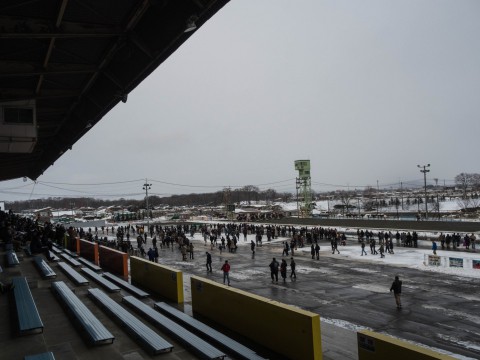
[
  {"x": 27, "y": 69},
  {"x": 51, "y": 45},
  {"x": 15, "y": 27}
]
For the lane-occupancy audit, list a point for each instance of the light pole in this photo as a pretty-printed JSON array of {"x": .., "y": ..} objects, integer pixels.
[
  {"x": 147, "y": 187},
  {"x": 72, "y": 204},
  {"x": 425, "y": 171}
]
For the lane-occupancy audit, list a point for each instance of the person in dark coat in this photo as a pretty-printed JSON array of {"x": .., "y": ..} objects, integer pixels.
[
  {"x": 209, "y": 262},
  {"x": 283, "y": 269},
  {"x": 274, "y": 269},
  {"x": 397, "y": 291},
  {"x": 292, "y": 267},
  {"x": 317, "y": 251},
  {"x": 363, "y": 247}
]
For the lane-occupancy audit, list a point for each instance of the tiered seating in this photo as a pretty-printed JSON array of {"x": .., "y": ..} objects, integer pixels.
[
  {"x": 111, "y": 287},
  {"x": 70, "y": 260},
  {"x": 42, "y": 356},
  {"x": 182, "y": 335},
  {"x": 71, "y": 253},
  {"x": 89, "y": 264},
  {"x": 29, "y": 321},
  {"x": 126, "y": 285},
  {"x": 97, "y": 333},
  {"x": 52, "y": 256},
  {"x": 44, "y": 268},
  {"x": 216, "y": 337},
  {"x": 153, "y": 342},
  {"x": 12, "y": 258},
  {"x": 73, "y": 274}
]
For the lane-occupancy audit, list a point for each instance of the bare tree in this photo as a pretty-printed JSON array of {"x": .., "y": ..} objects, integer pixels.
[
  {"x": 466, "y": 181},
  {"x": 286, "y": 196},
  {"x": 346, "y": 197},
  {"x": 250, "y": 190}
]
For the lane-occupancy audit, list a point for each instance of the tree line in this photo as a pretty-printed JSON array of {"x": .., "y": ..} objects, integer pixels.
[{"x": 246, "y": 194}]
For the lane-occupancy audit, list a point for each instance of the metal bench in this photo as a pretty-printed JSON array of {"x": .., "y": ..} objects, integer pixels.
[
  {"x": 140, "y": 332},
  {"x": 96, "y": 332},
  {"x": 52, "y": 256},
  {"x": 89, "y": 264},
  {"x": 70, "y": 260},
  {"x": 201, "y": 329},
  {"x": 111, "y": 287},
  {"x": 29, "y": 321},
  {"x": 71, "y": 253},
  {"x": 73, "y": 274},
  {"x": 56, "y": 250},
  {"x": 43, "y": 356},
  {"x": 27, "y": 250},
  {"x": 12, "y": 258},
  {"x": 126, "y": 285},
  {"x": 44, "y": 268},
  {"x": 182, "y": 335}
]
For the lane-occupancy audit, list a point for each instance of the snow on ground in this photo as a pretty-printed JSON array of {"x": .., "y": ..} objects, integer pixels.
[
  {"x": 407, "y": 257},
  {"x": 403, "y": 256}
]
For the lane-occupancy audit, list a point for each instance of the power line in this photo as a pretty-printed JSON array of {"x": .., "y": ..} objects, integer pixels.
[
  {"x": 218, "y": 186},
  {"x": 92, "y": 184}
]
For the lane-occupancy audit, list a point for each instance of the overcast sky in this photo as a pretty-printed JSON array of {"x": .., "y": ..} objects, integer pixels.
[{"x": 365, "y": 90}]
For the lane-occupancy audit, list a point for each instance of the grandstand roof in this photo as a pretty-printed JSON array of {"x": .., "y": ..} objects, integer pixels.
[{"x": 78, "y": 59}]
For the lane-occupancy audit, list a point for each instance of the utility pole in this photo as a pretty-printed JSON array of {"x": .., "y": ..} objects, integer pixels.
[
  {"x": 438, "y": 207},
  {"x": 401, "y": 192},
  {"x": 376, "y": 197},
  {"x": 72, "y": 204},
  {"x": 425, "y": 171},
  {"x": 147, "y": 187}
]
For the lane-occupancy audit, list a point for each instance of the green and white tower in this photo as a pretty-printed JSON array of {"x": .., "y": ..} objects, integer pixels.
[{"x": 304, "y": 188}]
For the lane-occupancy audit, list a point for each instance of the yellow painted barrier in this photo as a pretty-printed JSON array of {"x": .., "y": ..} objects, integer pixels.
[
  {"x": 162, "y": 280},
  {"x": 375, "y": 346},
  {"x": 284, "y": 329}
]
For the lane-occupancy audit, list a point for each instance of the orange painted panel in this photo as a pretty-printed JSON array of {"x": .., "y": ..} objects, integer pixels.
[
  {"x": 89, "y": 251},
  {"x": 113, "y": 260}
]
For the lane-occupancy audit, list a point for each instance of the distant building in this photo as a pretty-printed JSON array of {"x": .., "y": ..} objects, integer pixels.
[{"x": 43, "y": 215}]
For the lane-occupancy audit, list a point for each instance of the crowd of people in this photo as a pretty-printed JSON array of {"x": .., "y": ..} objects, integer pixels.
[{"x": 24, "y": 232}]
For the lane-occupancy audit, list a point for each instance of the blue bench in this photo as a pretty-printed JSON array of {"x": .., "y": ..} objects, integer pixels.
[
  {"x": 73, "y": 274},
  {"x": 216, "y": 337},
  {"x": 44, "y": 268},
  {"x": 96, "y": 332},
  {"x": 126, "y": 285},
  {"x": 182, "y": 335},
  {"x": 57, "y": 250},
  {"x": 70, "y": 260},
  {"x": 71, "y": 253},
  {"x": 153, "y": 342},
  {"x": 89, "y": 264},
  {"x": 111, "y": 287},
  {"x": 12, "y": 258},
  {"x": 52, "y": 256},
  {"x": 42, "y": 356},
  {"x": 29, "y": 321}
]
